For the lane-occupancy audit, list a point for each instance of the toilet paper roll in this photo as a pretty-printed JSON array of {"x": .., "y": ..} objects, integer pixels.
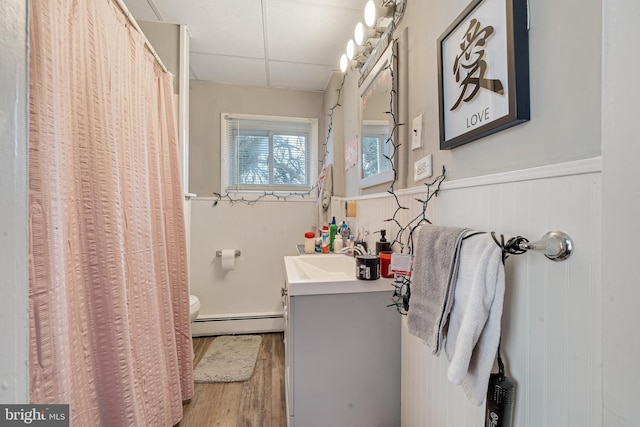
[{"x": 228, "y": 259}]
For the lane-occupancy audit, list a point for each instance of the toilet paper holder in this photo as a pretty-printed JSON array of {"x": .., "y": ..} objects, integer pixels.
[{"x": 237, "y": 253}]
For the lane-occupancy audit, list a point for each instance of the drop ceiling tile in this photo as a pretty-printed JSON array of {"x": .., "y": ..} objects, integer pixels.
[
  {"x": 299, "y": 76},
  {"x": 229, "y": 70},
  {"x": 223, "y": 27},
  {"x": 312, "y": 34}
]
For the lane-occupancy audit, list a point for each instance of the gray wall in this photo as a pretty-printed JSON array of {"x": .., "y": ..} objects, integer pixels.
[
  {"x": 165, "y": 39},
  {"x": 565, "y": 67},
  {"x": 14, "y": 318},
  {"x": 208, "y": 100}
]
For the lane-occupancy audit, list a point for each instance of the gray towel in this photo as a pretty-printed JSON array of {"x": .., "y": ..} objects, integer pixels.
[{"x": 435, "y": 268}]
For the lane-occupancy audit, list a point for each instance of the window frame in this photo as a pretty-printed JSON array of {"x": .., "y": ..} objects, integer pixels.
[{"x": 312, "y": 168}]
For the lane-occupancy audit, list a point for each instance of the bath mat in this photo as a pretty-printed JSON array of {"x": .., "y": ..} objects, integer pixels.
[{"x": 228, "y": 359}]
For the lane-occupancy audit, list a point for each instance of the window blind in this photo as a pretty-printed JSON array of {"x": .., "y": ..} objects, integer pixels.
[{"x": 273, "y": 154}]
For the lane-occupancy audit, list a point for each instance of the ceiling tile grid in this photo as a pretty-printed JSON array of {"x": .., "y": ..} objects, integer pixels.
[
  {"x": 307, "y": 33},
  {"x": 294, "y": 44}
]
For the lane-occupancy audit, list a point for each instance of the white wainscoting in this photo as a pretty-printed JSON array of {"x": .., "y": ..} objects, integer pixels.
[
  {"x": 552, "y": 320},
  {"x": 246, "y": 299}
]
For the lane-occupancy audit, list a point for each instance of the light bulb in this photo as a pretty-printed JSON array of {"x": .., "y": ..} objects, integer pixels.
[
  {"x": 351, "y": 49},
  {"x": 358, "y": 34},
  {"x": 344, "y": 62},
  {"x": 370, "y": 13}
]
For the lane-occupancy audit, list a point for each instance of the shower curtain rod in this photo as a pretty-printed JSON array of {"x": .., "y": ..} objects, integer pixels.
[{"x": 125, "y": 10}]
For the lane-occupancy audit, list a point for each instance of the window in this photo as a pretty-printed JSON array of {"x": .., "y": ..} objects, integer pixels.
[
  {"x": 265, "y": 153},
  {"x": 374, "y": 148}
]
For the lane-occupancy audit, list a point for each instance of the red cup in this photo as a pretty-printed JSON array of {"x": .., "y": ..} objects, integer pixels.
[{"x": 385, "y": 263}]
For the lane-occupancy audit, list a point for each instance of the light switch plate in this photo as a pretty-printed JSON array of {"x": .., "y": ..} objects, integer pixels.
[
  {"x": 422, "y": 168},
  {"x": 416, "y": 133}
]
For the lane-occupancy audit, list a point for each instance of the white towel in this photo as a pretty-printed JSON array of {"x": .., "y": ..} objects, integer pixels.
[
  {"x": 325, "y": 191},
  {"x": 474, "y": 323}
]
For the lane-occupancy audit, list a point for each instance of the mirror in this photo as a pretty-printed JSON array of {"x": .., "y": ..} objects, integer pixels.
[{"x": 377, "y": 99}]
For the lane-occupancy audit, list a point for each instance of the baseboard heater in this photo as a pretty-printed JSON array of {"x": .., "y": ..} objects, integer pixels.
[
  {"x": 237, "y": 323},
  {"x": 230, "y": 317}
]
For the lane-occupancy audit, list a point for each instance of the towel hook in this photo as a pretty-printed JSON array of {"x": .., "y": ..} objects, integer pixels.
[{"x": 555, "y": 245}]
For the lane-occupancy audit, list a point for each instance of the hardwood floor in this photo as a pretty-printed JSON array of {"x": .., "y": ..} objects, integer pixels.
[{"x": 257, "y": 402}]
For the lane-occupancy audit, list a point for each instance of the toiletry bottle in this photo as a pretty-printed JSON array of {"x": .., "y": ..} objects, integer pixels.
[
  {"x": 309, "y": 242},
  {"x": 344, "y": 230},
  {"x": 325, "y": 239},
  {"x": 338, "y": 243},
  {"x": 385, "y": 264},
  {"x": 383, "y": 244},
  {"x": 333, "y": 230}
]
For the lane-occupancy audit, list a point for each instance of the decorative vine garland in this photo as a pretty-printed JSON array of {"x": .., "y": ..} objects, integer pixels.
[
  {"x": 402, "y": 284},
  {"x": 279, "y": 196}
]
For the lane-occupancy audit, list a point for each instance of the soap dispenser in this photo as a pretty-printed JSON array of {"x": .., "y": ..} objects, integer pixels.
[{"x": 383, "y": 244}]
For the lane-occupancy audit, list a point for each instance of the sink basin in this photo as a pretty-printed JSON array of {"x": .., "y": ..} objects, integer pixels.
[
  {"x": 326, "y": 267},
  {"x": 328, "y": 274}
]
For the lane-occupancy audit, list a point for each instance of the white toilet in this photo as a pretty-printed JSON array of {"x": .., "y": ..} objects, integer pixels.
[{"x": 194, "y": 308}]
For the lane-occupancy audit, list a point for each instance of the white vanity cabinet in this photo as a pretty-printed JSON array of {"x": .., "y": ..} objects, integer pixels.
[{"x": 342, "y": 356}]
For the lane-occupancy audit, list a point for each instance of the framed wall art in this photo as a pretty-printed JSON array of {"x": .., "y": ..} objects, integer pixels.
[{"x": 483, "y": 71}]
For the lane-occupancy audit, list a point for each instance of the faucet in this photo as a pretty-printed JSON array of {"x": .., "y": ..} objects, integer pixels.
[
  {"x": 359, "y": 250},
  {"x": 354, "y": 250}
]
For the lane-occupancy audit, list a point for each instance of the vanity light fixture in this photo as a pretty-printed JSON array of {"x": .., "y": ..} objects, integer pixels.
[
  {"x": 344, "y": 63},
  {"x": 351, "y": 49},
  {"x": 360, "y": 34},
  {"x": 354, "y": 50},
  {"x": 379, "y": 17},
  {"x": 379, "y": 21},
  {"x": 370, "y": 13}
]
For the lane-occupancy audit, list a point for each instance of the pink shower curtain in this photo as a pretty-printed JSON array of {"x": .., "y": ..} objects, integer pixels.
[{"x": 109, "y": 303}]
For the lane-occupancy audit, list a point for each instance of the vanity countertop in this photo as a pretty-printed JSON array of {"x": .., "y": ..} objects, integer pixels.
[{"x": 319, "y": 274}]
